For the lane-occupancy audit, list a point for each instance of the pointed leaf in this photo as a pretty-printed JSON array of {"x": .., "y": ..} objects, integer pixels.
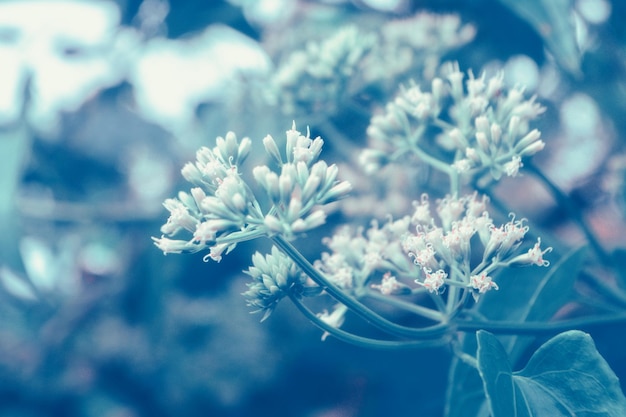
[
  {"x": 533, "y": 295},
  {"x": 565, "y": 377},
  {"x": 496, "y": 373}
]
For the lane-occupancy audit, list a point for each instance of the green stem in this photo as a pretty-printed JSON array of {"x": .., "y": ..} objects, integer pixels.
[
  {"x": 611, "y": 293},
  {"x": 361, "y": 341},
  {"x": 430, "y": 332},
  {"x": 433, "y": 162},
  {"x": 455, "y": 186},
  {"x": 404, "y": 305},
  {"x": 439, "y": 302},
  {"x": 15, "y": 146},
  {"x": 536, "y": 328},
  {"x": 464, "y": 357}
]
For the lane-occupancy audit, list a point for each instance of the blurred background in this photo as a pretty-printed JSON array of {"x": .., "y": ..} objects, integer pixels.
[{"x": 101, "y": 104}]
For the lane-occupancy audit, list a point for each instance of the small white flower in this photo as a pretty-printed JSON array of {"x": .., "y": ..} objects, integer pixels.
[
  {"x": 180, "y": 217},
  {"x": 534, "y": 256},
  {"x": 433, "y": 280},
  {"x": 272, "y": 276},
  {"x": 421, "y": 213},
  {"x": 512, "y": 167},
  {"x": 172, "y": 246},
  {"x": 463, "y": 165},
  {"x": 449, "y": 210},
  {"x": 334, "y": 319},
  {"x": 481, "y": 283},
  {"x": 389, "y": 285}
]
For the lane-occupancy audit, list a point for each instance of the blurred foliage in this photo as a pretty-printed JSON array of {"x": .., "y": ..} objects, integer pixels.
[{"x": 94, "y": 321}]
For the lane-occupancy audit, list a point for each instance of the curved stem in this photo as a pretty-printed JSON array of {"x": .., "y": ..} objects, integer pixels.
[
  {"x": 405, "y": 305},
  {"x": 614, "y": 294},
  {"x": 430, "y": 332},
  {"x": 536, "y": 328},
  {"x": 361, "y": 341}
]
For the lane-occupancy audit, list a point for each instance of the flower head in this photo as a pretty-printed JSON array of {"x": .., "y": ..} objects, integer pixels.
[
  {"x": 390, "y": 285},
  {"x": 222, "y": 209},
  {"x": 433, "y": 281},
  {"x": 481, "y": 283},
  {"x": 451, "y": 244},
  {"x": 486, "y": 125},
  {"x": 334, "y": 319},
  {"x": 273, "y": 275}
]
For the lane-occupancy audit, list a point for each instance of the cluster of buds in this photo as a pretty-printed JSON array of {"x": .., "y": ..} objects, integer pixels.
[
  {"x": 317, "y": 78},
  {"x": 429, "y": 31},
  {"x": 301, "y": 186},
  {"x": 220, "y": 203},
  {"x": 222, "y": 210},
  {"x": 313, "y": 80},
  {"x": 464, "y": 247},
  {"x": 273, "y": 275},
  {"x": 483, "y": 124},
  {"x": 414, "y": 45}
]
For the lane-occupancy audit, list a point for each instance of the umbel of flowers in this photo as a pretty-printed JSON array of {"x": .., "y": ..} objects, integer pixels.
[
  {"x": 459, "y": 250},
  {"x": 481, "y": 126},
  {"x": 223, "y": 210}
]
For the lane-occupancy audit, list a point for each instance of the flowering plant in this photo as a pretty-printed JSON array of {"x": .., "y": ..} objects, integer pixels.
[{"x": 450, "y": 262}]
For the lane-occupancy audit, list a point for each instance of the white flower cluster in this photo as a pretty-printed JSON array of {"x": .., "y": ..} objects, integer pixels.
[
  {"x": 313, "y": 80},
  {"x": 429, "y": 31},
  {"x": 416, "y": 45},
  {"x": 303, "y": 184},
  {"x": 483, "y": 124},
  {"x": 462, "y": 247},
  {"x": 444, "y": 250},
  {"x": 319, "y": 77},
  {"x": 222, "y": 210}
]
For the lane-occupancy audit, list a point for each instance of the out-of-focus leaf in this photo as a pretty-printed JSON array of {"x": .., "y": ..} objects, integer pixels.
[
  {"x": 14, "y": 148},
  {"x": 619, "y": 257},
  {"x": 565, "y": 377},
  {"x": 16, "y": 285},
  {"x": 39, "y": 262},
  {"x": 553, "y": 21}
]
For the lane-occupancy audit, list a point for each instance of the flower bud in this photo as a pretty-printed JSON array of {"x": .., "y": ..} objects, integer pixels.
[
  {"x": 533, "y": 148},
  {"x": 272, "y": 149}
]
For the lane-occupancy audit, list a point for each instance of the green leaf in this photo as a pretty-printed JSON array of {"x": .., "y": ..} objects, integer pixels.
[
  {"x": 565, "y": 377},
  {"x": 534, "y": 298},
  {"x": 531, "y": 294},
  {"x": 465, "y": 395},
  {"x": 528, "y": 294},
  {"x": 554, "y": 22}
]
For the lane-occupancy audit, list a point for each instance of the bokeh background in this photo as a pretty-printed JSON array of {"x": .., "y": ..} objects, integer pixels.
[{"x": 101, "y": 104}]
